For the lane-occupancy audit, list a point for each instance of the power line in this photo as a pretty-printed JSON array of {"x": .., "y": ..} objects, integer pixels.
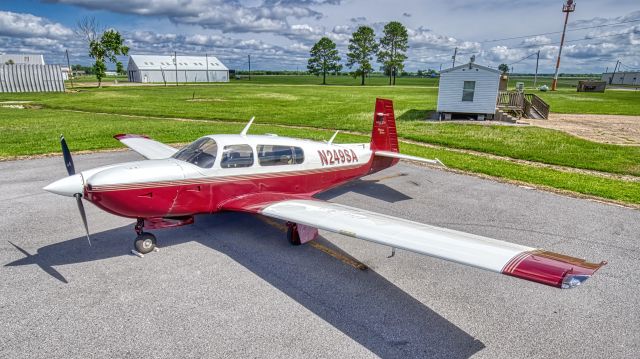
[
  {"x": 630, "y": 68},
  {"x": 559, "y": 32},
  {"x": 524, "y": 58}
]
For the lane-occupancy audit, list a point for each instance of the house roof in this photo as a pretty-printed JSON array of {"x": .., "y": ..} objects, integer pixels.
[
  {"x": 155, "y": 62},
  {"x": 30, "y": 59},
  {"x": 473, "y": 65}
]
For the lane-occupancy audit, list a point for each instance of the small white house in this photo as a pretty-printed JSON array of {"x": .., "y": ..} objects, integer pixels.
[
  {"x": 468, "y": 89},
  {"x": 19, "y": 59},
  {"x": 163, "y": 68}
]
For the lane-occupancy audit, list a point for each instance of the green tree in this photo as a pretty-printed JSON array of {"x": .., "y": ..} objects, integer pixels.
[
  {"x": 110, "y": 45},
  {"x": 504, "y": 68},
  {"x": 9, "y": 62},
  {"x": 362, "y": 47},
  {"x": 324, "y": 58},
  {"x": 104, "y": 45},
  {"x": 393, "y": 47}
]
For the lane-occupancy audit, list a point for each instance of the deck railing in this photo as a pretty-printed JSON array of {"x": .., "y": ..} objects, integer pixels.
[
  {"x": 522, "y": 104},
  {"x": 538, "y": 104}
]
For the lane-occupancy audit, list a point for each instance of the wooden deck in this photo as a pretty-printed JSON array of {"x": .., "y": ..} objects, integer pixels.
[{"x": 523, "y": 105}]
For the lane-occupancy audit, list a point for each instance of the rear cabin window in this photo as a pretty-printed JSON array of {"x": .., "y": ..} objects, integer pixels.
[
  {"x": 237, "y": 156},
  {"x": 273, "y": 155},
  {"x": 201, "y": 153},
  {"x": 468, "y": 90}
]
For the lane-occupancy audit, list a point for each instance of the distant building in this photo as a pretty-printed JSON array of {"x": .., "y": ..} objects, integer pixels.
[
  {"x": 161, "y": 68},
  {"x": 31, "y": 78},
  {"x": 591, "y": 86},
  {"x": 65, "y": 72},
  {"x": 468, "y": 89},
  {"x": 622, "y": 78},
  {"x": 26, "y": 59}
]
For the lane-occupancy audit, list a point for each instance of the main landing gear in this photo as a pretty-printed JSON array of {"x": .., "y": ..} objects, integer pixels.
[
  {"x": 292, "y": 234},
  {"x": 145, "y": 242}
]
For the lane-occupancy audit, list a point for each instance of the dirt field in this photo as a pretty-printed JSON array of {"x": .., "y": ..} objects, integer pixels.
[{"x": 615, "y": 129}]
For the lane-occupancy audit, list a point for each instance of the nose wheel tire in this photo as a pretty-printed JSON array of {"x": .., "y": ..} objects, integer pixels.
[{"x": 145, "y": 243}]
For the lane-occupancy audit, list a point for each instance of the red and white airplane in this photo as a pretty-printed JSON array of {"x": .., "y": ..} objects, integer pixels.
[{"x": 278, "y": 177}]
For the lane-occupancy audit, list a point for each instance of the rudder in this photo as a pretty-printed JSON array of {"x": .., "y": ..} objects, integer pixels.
[{"x": 384, "y": 136}]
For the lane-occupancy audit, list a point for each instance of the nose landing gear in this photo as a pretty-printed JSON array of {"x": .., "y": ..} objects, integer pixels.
[{"x": 145, "y": 242}]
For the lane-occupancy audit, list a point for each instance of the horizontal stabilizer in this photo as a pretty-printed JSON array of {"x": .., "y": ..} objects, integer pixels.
[
  {"x": 400, "y": 156},
  {"x": 148, "y": 148}
]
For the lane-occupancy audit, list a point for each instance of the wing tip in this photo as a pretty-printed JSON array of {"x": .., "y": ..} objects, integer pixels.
[{"x": 553, "y": 269}]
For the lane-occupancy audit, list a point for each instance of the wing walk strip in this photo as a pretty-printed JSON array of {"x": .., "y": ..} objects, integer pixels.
[
  {"x": 221, "y": 179},
  {"x": 511, "y": 259}
]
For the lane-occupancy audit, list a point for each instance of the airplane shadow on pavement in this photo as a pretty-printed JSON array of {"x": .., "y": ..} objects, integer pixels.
[{"x": 361, "y": 304}]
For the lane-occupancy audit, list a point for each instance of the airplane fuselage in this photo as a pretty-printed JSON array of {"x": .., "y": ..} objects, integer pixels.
[{"x": 176, "y": 187}]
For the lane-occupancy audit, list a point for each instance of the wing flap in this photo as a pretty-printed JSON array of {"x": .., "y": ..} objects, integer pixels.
[
  {"x": 148, "y": 148},
  {"x": 460, "y": 247}
]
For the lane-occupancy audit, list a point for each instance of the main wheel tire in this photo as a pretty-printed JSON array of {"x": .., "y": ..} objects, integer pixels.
[
  {"x": 145, "y": 243},
  {"x": 292, "y": 235}
]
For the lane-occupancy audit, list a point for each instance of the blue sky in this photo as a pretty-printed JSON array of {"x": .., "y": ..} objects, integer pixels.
[{"x": 279, "y": 33}]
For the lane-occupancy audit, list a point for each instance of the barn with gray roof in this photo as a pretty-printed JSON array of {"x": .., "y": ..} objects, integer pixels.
[{"x": 167, "y": 68}]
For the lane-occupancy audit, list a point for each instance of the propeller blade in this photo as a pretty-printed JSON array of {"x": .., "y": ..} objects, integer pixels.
[
  {"x": 68, "y": 161},
  {"x": 78, "y": 197}
]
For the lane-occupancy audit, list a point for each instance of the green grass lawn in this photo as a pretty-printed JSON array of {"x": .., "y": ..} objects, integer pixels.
[
  {"x": 528, "y": 143},
  {"x": 351, "y": 108},
  {"x": 32, "y": 131}
]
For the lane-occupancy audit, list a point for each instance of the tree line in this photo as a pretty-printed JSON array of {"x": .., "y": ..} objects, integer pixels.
[{"x": 390, "y": 50}]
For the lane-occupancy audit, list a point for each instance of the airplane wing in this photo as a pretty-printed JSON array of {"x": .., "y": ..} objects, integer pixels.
[
  {"x": 148, "y": 148},
  {"x": 490, "y": 254}
]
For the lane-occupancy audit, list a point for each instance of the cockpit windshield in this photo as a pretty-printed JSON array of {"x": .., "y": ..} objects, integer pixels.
[{"x": 201, "y": 153}]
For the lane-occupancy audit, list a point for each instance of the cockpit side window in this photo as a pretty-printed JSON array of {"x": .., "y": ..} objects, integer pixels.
[
  {"x": 274, "y": 155},
  {"x": 201, "y": 152},
  {"x": 236, "y": 156}
]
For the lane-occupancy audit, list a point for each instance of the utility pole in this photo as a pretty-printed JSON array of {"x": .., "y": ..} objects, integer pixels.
[
  {"x": 455, "y": 52},
  {"x": 570, "y": 6},
  {"x": 614, "y": 72},
  {"x": 70, "y": 69},
  {"x": 535, "y": 77},
  {"x": 175, "y": 62},
  {"x": 206, "y": 56},
  {"x": 249, "y": 67}
]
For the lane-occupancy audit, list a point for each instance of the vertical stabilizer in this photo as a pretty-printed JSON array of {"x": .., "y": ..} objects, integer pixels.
[{"x": 384, "y": 136}]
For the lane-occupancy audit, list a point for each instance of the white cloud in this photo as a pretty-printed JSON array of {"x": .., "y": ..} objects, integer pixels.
[
  {"x": 27, "y": 25},
  {"x": 227, "y": 16}
]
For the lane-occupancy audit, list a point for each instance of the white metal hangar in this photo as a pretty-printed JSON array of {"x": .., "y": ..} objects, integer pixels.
[{"x": 167, "y": 68}]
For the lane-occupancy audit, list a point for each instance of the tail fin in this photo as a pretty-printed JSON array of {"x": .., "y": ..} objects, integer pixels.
[{"x": 384, "y": 136}]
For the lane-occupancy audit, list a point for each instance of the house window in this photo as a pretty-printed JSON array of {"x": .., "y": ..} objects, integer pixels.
[
  {"x": 26, "y": 59},
  {"x": 467, "y": 90}
]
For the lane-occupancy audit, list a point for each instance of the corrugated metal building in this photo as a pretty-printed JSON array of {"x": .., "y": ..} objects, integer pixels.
[
  {"x": 159, "y": 68},
  {"x": 27, "y": 59},
  {"x": 31, "y": 78},
  {"x": 622, "y": 78},
  {"x": 468, "y": 89}
]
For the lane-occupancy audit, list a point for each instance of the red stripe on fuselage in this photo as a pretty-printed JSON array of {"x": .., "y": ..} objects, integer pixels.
[{"x": 205, "y": 195}]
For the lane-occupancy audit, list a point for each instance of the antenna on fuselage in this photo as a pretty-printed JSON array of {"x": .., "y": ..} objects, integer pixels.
[
  {"x": 246, "y": 128},
  {"x": 333, "y": 138}
]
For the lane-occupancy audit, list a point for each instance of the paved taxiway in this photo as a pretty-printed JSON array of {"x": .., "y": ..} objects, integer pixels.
[{"x": 231, "y": 285}]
